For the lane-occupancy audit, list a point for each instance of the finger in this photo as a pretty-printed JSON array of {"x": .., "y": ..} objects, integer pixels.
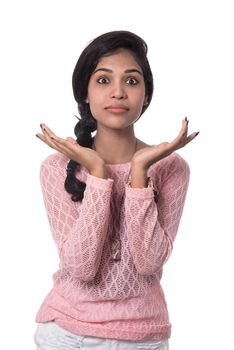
[
  {"x": 69, "y": 147},
  {"x": 47, "y": 141},
  {"x": 55, "y": 142},
  {"x": 181, "y": 137},
  {"x": 70, "y": 139},
  {"x": 184, "y": 129},
  {"x": 46, "y": 130},
  {"x": 47, "y": 134},
  {"x": 43, "y": 138},
  {"x": 68, "y": 142},
  {"x": 40, "y": 136},
  {"x": 183, "y": 132},
  {"x": 192, "y": 136}
]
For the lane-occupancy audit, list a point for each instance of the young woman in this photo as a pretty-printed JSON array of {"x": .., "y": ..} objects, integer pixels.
[{"x": 114, "y": 205}]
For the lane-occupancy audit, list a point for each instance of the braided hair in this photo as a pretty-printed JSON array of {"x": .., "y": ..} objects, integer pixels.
[{"x": 103, "y": 45}]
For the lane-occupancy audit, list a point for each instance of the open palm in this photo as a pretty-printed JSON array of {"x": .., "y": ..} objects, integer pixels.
[
  {"x": 145, "y": 157},
  {"x": 70, "y": 148}
]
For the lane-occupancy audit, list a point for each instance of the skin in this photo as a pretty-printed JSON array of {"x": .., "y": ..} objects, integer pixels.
[{"x": 116, "y": 94}]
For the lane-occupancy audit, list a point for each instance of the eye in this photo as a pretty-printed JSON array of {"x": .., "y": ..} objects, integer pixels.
[
  {"x": 103, "y": 80},
  {"x": 132, "y": 81}
]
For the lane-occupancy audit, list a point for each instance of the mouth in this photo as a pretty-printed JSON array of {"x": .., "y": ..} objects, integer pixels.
[{"x": 117, "y": 109}]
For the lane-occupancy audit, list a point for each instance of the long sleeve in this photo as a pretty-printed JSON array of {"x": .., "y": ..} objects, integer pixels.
[
  {"x": 93, "y": 294},
  {"x": 151, "y": 226},
  {"x": 79, "y": 229}
]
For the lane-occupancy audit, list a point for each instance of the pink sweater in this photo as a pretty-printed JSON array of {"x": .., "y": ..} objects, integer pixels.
[{"x": 93, "y": 295}]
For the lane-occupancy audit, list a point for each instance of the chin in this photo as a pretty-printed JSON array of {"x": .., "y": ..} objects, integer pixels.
[
  {"x": 119, "y": 126},
  {"x": 115, "y": 124}
]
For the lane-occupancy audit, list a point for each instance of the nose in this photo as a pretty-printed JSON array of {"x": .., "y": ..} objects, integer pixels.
[{"x": 118, "y": 91}]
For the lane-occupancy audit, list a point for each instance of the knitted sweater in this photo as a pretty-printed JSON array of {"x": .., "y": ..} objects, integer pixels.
[{"x": 93, "y": 295}]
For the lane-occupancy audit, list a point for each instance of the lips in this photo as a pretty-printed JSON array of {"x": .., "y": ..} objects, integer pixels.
[{"x": 117, "y": 108}]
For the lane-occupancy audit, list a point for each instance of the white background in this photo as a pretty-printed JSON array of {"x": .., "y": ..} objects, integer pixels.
[{"x": 191, "y": 55}]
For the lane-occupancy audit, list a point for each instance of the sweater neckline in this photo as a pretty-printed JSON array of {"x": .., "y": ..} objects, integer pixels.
[{"x": 120, "y": 166}]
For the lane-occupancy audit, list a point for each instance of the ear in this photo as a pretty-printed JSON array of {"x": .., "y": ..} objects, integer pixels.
[
  {"x": 86, "y": 100},
  {"x": 145, "y": 101}
]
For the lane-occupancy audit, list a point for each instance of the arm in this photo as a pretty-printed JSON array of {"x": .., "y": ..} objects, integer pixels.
[
  {"x": 151, "y": 226},
  {"x": 79, "y": 229}
]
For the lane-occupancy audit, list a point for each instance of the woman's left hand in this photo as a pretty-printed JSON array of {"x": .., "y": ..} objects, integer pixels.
[{"x": 145, "y": 157}]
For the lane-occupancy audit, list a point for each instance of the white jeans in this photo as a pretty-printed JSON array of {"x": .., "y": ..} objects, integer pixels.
[{"x": 50, "y": 336}]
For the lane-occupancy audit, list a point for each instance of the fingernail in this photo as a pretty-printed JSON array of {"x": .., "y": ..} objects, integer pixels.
[
  {"x": 197, "y": 133},
  {"x": 37, "y": 136},
  {"x": 43, "y": 126}
]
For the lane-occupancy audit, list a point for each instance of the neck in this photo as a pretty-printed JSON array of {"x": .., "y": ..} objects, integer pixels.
[{"x": 115, "y": 146}]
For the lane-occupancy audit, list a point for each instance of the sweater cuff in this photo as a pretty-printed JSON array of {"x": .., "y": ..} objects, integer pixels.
[{"x": 97, "y": 182}]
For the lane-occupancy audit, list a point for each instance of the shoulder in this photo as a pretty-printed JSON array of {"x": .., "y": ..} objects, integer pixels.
[
  {"x": 173, "y": 162},
  {"x": 172, "y": 167},
  {"x": 176, "y": 163},
  {"x": 54, "y": 163}
]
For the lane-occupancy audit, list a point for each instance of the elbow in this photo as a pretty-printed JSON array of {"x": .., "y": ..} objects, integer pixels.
[
  {"x": 147, "y": 269},
  {"x": 85, "y": 277},
  {"x": 83, "y": 273},
  {"x": 82, "y": 270},
  {"x": 151, "y": 266},
  {"x": 86, "y": 274}
]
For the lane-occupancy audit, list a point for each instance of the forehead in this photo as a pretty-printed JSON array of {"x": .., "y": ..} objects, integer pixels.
[{"x": 122, "y": 58}]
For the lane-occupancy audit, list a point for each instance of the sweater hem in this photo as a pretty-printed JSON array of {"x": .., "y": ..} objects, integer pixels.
[{"x": 112, "y": 331}]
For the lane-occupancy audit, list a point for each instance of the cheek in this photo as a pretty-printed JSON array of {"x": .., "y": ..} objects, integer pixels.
[
  {"x": 94, "y": 105},
  {"x": 139, "y": 101},
  {"x": 139, "y": 96},
  {"x": 93, "y": 108},
  {"x": 94, "y": 95}
]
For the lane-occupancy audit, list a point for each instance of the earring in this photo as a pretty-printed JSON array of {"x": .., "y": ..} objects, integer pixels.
[{"x": 145, "y": 103}]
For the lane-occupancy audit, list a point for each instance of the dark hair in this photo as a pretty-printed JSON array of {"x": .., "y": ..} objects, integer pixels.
[{"x": 86, "y": 64}]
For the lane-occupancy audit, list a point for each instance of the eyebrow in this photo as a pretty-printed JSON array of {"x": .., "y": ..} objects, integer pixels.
[{"x": 111, "y": 71}]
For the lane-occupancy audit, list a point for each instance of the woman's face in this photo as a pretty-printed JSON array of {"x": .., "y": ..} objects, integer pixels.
[{"x": 116, "y": 90}]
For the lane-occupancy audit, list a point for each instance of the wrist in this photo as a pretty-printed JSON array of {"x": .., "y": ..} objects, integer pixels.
[
  {"x": 98, "y": 171},
  {"x": 139, "y": 177}
]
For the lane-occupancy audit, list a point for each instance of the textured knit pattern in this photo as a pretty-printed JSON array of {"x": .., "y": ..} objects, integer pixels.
[{"x": 93, "y": 295}]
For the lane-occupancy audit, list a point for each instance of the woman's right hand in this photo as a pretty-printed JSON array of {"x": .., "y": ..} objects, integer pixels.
[{"x": 87, "y": 157}]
